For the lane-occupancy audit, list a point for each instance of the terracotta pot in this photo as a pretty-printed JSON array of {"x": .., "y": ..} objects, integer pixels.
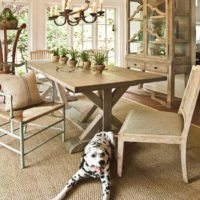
[
  {"x": 99, "y": 68},
  {"x": 12, "y": 23},
  {"x": 87, "y": 65},
  {"x": 72, "y": 63},
  {"x": 55, "y": 58},
  {"x": 63, "y": 60}
]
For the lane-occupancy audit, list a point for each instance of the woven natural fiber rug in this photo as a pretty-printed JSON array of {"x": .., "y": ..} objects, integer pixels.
[{"x": 151, "y": 171}]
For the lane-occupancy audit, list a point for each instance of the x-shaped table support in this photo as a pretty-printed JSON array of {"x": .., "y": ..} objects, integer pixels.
[{"x": 103, "y": 121}]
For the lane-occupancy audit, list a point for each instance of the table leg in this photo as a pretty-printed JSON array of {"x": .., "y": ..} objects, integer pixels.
[
  {"x": 107, "y": 109},
  {"x": 102, "y": 121}
]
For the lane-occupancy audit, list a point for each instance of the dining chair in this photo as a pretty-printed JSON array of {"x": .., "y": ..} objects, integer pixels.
[
  {"x": 152, "y": 126},
  {"x": 15, "y": 116},
  {"x": 40, "y": 54},
  {"x": 44, "y": 83}
]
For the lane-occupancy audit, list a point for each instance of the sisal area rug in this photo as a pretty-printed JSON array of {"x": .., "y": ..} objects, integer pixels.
[{"x": 151, "y": 171}]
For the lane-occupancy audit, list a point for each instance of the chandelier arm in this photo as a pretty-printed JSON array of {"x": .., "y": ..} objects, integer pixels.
[
  {"x": 90, "y": 22},
  {"x": 60, "y": 24},
  {"x": 81, "y": 10},
  {"x": 73, "y": 23}
]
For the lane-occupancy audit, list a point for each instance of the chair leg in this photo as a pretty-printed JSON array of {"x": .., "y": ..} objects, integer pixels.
[
  {"x": 183, "y": 162},
  {"x": 25, "y": 128},
  {"x": 63, "y": 125},
  {"x": 120, "y": 155},
  {"x": 21, "y": 144}
]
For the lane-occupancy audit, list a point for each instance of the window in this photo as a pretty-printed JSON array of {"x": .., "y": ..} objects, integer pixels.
[
  {"x": 85, "y": 36},
  {"x": 106, "y": 34},
  {"x": 198, "y": 33},
  {"x": 56, "y": 36},
  {"x": 82, "y": 34},
  {"x": 20, "y": 10}
]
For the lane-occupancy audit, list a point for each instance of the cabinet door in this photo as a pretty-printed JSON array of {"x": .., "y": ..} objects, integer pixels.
[
  {"x": 135, "y": 27},
  {"x": 157, "y": 28},
  {"x": 181, "y": 27}
]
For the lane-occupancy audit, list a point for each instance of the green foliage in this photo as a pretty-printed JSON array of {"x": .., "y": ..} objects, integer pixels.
[
  {"x": 55, "y": 52},
  {"x": 99, "y": 58},
  {"x": 64, "y": 52},
  {"x": 74, "y": 54},
  {"x": 1, "y": 17},
  {"x": 10, "y": 17},
  {"x": 84, "y": 56}
]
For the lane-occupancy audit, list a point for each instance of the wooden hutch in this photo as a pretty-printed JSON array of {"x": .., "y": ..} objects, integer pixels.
[{"x": 161, "y": 38}]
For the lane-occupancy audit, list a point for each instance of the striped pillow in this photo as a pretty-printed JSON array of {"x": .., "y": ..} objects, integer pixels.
[{"x": 23, "y": 89}]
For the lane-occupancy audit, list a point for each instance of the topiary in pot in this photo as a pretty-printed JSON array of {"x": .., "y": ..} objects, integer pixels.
[
  {"x": 55, "y": 57},
  {"x": 64, "y": 58},
  {"x": 99, "y": 59},
  {"x": 85, "y": 58},
  {"x": 74, "y": 54},
  {"x": 11, "y": 20}
]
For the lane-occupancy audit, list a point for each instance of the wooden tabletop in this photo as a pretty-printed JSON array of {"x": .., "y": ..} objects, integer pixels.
[{"x": 80, "y": 80}]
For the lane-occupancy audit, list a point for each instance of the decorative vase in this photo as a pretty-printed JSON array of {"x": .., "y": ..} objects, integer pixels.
[
  {"x": 99, "y": 68},
  {"x": 72, "y": 63},
  {"x": 86, "y": 65},
  {"x": 55, "y": 58},
  {"x": 63, "y": 60}
]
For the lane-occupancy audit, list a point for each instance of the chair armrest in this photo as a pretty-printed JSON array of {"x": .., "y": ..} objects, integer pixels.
[{"x": 11, "y": 102}]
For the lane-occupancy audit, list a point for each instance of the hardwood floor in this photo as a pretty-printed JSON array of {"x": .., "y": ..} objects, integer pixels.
[{"x": 146, "y": 100}]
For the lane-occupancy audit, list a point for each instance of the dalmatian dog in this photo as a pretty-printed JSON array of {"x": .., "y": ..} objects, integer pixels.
[{"x": 94, "y": 163}]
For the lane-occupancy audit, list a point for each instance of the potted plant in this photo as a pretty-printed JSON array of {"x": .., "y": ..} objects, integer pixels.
[
  {"x": 99, "y": 59},
  {"x": 11, "y": 20},
  {"x": 74, "y": 54},
  {"x": 85, "y": 58},
  {"x": 63, "y": 54},
  {"x": 55, "y": 57}
]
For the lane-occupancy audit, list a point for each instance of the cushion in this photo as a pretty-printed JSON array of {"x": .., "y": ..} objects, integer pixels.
[
  {"x": 23, "y": 89},
  {"x": 152, "y": 122}
]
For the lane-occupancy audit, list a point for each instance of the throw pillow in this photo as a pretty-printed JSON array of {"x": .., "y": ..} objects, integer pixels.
[{"x": 23, "y": 89}]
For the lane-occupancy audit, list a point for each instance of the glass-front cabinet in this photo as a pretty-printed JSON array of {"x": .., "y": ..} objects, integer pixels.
[{"x": 159, "y": 38}]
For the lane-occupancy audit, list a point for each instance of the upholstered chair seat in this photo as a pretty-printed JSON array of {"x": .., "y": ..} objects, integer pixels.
[{"x": 153, "y": 122}]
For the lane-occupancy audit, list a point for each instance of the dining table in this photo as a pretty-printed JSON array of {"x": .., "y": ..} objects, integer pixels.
[{"x": 103, "y": 89}]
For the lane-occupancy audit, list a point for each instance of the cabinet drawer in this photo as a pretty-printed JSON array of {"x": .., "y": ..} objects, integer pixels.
[
  {"x": 135, "y": 65},
  {"x": 159, "y": 69}
]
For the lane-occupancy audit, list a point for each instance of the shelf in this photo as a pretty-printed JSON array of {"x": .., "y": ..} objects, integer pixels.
[
  {"x": 158, "y": 17},
  {"x": 156, "y": 42},
  {"x": 181, "y": 41},
  {"x": 136, "y": 41},
  {"x": 135, "y": 19}
]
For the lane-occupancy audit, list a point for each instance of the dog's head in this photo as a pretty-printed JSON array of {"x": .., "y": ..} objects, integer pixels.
[
  {"x": 98, "y": 153},
  {"x": 97, "y": 158}
]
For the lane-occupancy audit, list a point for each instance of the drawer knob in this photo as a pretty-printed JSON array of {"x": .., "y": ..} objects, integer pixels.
[{"x": 155, "y": 67}]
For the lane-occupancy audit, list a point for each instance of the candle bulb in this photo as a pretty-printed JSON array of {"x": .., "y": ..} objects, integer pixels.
[
  {"x": 51, "y": 11},
  {"x": 101, "y": 5},
  {"x": 69, "y": 4},
  {"x": 94, "y": 8},
  {"x": 77, "y": 14},
  {"x": 56, "y": 10},
  {"x": 63, "y": 6}
]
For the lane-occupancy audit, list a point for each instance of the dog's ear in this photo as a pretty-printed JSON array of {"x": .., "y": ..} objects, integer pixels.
[
  {"x": 110, "y": 136},
  {"x": 82, "y": 161}
]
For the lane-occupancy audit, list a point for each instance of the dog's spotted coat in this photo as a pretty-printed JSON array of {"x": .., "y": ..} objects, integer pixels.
[{"x": 95, "y": 163}]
